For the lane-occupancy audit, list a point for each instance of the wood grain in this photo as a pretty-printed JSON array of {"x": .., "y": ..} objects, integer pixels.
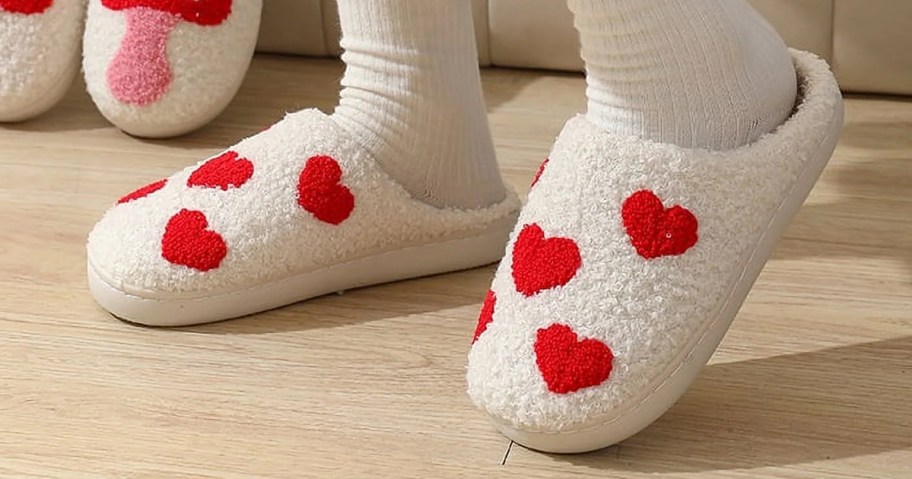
[{"x": 814, "y": 379}]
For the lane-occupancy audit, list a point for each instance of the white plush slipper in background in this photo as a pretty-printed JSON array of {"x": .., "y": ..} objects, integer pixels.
[
  {"x": 294, "y": 212},
  {"x": 159, "y": 68},
  {"x": 627, "y": 267},
  {"x": 39, "y": 54}
]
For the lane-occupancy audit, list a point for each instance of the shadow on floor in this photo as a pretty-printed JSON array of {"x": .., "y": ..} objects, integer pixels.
[
  {"x": 779, "y": 411},
  {"x": 74, "y": 113},
  {"x": 874, "y": 217}
]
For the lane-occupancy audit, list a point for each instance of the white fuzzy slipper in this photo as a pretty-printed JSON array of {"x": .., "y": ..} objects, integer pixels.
[
  {"x": 39, "y": 54},
  {"x": 159, "y": 68},
  {"x": 627, "y": 266},
  {"x": 295, "y": 212}
]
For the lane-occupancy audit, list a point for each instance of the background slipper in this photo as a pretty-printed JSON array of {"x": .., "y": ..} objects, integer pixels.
[
  {"x": 39, "y": 54},
  {"x": 159, "y": 68}
]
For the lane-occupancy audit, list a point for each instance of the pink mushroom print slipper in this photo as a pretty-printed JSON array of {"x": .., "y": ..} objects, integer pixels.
[
  {"x": 294, "y": 212},
  {"x": 39, "y": 54},
  {"x": 159, "y": 68},
  {"x": 627, "y": 266}
]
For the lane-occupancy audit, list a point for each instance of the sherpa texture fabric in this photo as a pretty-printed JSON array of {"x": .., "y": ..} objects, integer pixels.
[
  {"x": 39, "y": 54},
  {"x": 162, "y": 68},
  {"x": 624, "y": 254},
  {"x": 289, "y": 200}
]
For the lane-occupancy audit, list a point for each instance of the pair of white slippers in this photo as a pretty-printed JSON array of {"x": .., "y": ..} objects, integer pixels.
[
  {"x": 620, "y": 277},
  {"x": 154, "y": 68}
]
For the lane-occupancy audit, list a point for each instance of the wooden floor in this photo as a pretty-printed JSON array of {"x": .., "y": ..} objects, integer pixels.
[{"x": 813, "y": 381}]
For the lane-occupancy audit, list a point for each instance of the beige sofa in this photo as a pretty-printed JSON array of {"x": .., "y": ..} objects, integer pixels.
[{"x": 869, "y": 43}]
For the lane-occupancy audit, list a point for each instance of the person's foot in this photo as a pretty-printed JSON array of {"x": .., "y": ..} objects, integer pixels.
[
  {"x": 39, "y": 54},
  {"x": 627, "y": 266},
  {"x": 159, "y": 68}
]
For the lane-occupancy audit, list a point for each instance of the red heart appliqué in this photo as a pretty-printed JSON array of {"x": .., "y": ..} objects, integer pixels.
[
  {"x": 540, "y": 264},
  {"x": 225, "y": 171},
  {"x": 321, "y": 192},
  {"x": 568, "y": 364},
  {"x": 657, "y": 231},
  {"x": 188, "y": 243},
  {"x": 143, "y": 192},
  {"x": 27, "y": 7},
  {"x": 541, "y": 171},
  {"x": 486, "y": 316}
]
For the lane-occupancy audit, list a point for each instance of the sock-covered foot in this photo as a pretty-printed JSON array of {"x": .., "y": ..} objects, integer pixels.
[
  {"x": 159, "y": 68},
  {"x": 311, "y": 206},
  {"x": 39, "y": 54},
  {"x": 628, "y": 263},
  {"x": 412, "y": 97},
  {"x": 699, "y": 74}
]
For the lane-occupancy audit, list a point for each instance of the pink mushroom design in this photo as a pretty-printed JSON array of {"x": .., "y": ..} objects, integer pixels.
[{"x": 140, "y": 73}]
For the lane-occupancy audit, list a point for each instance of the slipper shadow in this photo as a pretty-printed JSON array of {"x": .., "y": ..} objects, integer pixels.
[
  {"x": 794, "y": 409},
  {"x": 873, "y": 218},
  {"x": 75, "y": 112}
]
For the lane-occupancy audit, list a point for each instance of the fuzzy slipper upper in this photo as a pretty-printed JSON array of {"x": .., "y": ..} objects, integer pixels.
[
  {"x": 630, "y": 256},
  {"x": 297, "y": 198},
  {"x": 39, "y": 54}
]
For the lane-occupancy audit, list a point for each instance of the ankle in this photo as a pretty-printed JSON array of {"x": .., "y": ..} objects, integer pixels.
[
  {"x": 445, "y": 171},
  {"x": 697, "y": 73},
  {"x": 411, "y": 96}
]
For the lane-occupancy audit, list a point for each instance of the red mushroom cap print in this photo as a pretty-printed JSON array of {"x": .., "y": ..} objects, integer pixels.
[
  {"x": 201, "y": 12},
  {"x": 26, "y": 7},
  {"x": 140, "y": 73}
]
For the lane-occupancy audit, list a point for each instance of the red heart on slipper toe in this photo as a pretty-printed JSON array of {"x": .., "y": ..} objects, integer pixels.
[
  {"x": 657, "y": 231},
  {"x": 486, "y": 316},
  {"x": 540, "y": 264},
  {"x": 188, "y": 242},
  {"x": 568, "y": 364},
  {"x": 225, "y": 171},
  {"x": 321, "y": 192},
  {"x": 143, "y": 192},
  {"x": 541, "y": 171},
  {"x": 28, "y": 7}
]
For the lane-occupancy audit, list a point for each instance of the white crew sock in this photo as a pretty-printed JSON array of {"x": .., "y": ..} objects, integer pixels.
[
  {"x": 412, "y": 96},
  {"x": 697, "y": 73}
]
